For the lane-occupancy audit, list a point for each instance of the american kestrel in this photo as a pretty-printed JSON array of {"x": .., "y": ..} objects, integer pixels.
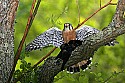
[{"x": 57, "y": 37}]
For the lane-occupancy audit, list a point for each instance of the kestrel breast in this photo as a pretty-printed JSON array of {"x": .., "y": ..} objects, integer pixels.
[{"x": 69, "y": 35}]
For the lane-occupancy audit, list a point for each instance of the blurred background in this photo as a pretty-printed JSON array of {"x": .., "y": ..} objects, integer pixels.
[{"x": 108, "y": 62}]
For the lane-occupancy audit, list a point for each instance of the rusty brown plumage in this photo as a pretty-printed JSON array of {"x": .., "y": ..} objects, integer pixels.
[{"x": 69, "y": 35}]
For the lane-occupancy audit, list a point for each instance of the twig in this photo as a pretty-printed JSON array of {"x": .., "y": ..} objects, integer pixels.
[
  {"x": 29, "y": 23},
  {"x": 113, "y": 3},
  {"x": 100, "y": 4},
  {"x": 77, "y": 2},
  {"x": 93, "y": 14},
  {"x": 115, "y": 73}
]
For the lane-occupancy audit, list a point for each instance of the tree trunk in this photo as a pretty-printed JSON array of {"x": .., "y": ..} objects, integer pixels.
[{"x": 7, "y": 16}]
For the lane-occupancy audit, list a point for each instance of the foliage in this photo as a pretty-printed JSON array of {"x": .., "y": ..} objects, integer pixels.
[{"x": 108, "y": 62}]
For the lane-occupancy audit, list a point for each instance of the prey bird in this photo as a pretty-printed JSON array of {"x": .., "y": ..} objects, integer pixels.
[{"x": 57, "y": 37}]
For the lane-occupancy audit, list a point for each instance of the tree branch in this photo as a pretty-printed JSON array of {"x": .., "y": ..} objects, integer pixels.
[
  {"x": 89, "y": 45},
  {"x": 49, "y": 70}
]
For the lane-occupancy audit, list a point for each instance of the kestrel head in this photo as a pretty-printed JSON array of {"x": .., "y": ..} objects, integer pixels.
[{"x": 67, "y": 27}]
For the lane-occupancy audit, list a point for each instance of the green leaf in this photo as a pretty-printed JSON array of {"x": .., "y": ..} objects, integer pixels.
[
  {"x": 28, "y": 65},
  {"x": 22, "y": 56},
  {"x": 22, "y": 66}
]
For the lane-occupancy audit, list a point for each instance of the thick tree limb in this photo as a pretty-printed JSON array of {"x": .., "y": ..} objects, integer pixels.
[
  {"x": 89, "y": 45},
  {"x": 49, "y": 70}
]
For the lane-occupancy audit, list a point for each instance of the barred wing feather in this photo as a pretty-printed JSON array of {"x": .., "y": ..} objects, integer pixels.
[
  {"x": 52, "y": 36},
  {"x": 84, "y": 32}
]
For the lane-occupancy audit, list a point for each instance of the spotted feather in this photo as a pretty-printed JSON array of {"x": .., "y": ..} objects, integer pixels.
[{"x": 52, "y": 36}]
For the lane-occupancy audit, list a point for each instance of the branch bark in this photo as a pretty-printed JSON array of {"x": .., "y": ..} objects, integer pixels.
[
  {"x": 89, "y": 45},
  {"x": 7, "y": 16}
]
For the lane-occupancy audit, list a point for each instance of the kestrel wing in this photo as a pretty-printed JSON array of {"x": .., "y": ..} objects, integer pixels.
[
  {"x": 52, "y": 36},
  {"x": 85, "y": 31}
]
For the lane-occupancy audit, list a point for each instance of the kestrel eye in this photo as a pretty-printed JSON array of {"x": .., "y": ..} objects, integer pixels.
[{"x": 66, "y": 25}]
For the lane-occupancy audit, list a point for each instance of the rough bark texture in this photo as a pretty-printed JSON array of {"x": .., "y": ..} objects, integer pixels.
[
  {"x": 51, "y": 68},
  {"x": 91, "y": 44},
  {"x": 7, "y": 15}
]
